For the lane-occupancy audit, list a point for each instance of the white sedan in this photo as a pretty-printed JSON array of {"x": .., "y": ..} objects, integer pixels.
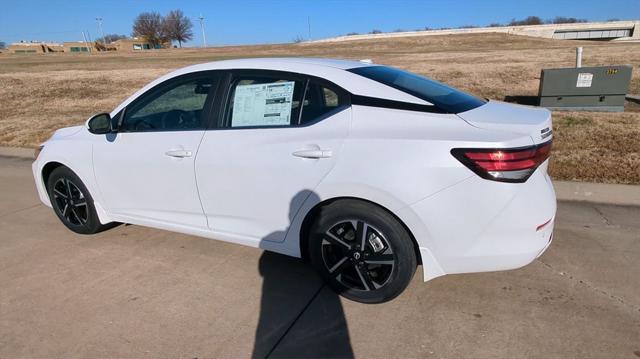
[{"x": 364, "y": 170}]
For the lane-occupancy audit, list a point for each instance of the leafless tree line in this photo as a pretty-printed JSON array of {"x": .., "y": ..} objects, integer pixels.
[{"x": 529, "y": 20}]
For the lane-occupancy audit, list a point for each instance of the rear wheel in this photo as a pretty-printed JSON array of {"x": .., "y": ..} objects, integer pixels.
[
  {"x": 362, "y": 251},
  {"x": 72, "y": 202}
]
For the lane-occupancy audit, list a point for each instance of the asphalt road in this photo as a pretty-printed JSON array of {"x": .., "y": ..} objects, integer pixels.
[{"x": 135, "y": 292}]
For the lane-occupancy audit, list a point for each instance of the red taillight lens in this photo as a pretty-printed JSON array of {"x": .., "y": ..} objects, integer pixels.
[{"x": 506, "y": 165}]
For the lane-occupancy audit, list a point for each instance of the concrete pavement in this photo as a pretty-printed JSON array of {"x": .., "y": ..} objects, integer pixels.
[{"x": 139, "y": 292}]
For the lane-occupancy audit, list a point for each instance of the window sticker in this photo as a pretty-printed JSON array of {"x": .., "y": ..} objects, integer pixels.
[{"x": 262, "y": 104}]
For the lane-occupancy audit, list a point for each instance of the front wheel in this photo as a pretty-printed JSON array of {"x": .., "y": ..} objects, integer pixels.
[
  {"x": 362, "y": 251},
  {"x": 72, "y": 202}
]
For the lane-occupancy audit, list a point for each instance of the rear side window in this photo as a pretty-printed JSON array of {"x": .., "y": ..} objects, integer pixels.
[
  {"x": 442, "y": 96},
  {"x": 260, "y": 102},
  {"x": 320, "y": 101}
]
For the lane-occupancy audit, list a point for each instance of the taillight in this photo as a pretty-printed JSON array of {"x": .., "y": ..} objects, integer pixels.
[{"x": 505, "y": 165}]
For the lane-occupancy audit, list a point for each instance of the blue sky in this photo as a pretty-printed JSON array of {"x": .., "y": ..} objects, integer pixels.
[{"x": 255, "y": 21}]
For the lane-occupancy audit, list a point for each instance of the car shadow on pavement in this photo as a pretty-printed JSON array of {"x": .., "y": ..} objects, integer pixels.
[
  {"x": 299, "y": 315},
  {"x": 286, "y": 329}
]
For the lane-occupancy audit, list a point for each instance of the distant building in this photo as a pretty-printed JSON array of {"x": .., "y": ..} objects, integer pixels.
[
  {"x": 34, "y": 47},
  {"x": 79, "y": 47},
  {"x": 136, "y": 44},
  {"x": 628, "y": 30}
]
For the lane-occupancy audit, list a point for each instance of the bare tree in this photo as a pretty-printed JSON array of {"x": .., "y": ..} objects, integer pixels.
[
  {"x": 109, "y": 38},
  {"x": 565, "y": 20},
  {"x": 529, "y": 20},
  {"x": 150, "y": 26},
  {"x": 178, "y": 27},
  {"x": 2, "y": 45}
]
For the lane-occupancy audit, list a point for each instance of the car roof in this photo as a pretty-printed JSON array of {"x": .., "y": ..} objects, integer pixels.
[{"x": 287, "y": 61}]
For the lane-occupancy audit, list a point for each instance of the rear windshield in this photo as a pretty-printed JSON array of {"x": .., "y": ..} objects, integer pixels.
[{"x": 442, "y": 96}]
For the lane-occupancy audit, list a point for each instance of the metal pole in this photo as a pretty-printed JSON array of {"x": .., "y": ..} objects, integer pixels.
[
  {"x": 90, "y": 42},
  {"x": 309, "y": 25},
  {"x": 85, "y": 42},
  {"x": 578, "y": 57},
  {"x": 99, "y": 20},
  {"x": 204, "y": 37}
]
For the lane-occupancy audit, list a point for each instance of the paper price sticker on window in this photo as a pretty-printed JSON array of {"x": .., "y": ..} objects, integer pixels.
[
  {"x": 584, "y": 79},
  {"x": 262, "y": 104}
]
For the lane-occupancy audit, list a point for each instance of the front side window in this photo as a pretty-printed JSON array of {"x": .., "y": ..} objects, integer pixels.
[
  {"x": 176, "y": 107},
  {"x": 442, "y": 96},
  {"x": 264, "y": 102}
]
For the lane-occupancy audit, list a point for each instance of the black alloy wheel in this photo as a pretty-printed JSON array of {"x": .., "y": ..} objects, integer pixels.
[
  {"x": 357, "y": 255},
  {"x": 362, "y": 251},
  {"x": 72, "y": 202}
]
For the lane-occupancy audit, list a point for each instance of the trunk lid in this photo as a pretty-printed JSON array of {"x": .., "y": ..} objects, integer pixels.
[{"x": 524, "y": 120}]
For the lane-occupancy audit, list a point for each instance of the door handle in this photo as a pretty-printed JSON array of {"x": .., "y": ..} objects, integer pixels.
[
  {"x": 315, "y": 154},
  {"x": 178, "y": 153}
]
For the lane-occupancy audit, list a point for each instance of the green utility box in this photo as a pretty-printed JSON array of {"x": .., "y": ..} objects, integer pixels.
[{"x": 600, "y": 88}]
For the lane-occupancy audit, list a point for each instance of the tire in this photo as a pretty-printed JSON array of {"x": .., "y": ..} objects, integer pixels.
[
  {"x": 72, "y": 202},
  {"x": 375, "y": 273}
]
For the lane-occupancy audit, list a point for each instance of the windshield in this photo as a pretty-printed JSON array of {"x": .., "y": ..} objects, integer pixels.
[{"x": 442, "y": 96}]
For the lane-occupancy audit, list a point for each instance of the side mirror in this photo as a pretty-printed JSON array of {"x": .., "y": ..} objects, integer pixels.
[{"x": 100, "y": 124}]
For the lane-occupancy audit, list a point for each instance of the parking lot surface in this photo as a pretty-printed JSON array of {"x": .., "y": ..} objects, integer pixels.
[{"x": 139, "y": 292}]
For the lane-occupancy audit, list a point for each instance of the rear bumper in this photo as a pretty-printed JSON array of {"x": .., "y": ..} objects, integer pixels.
[{"x": 480, "y": 225}]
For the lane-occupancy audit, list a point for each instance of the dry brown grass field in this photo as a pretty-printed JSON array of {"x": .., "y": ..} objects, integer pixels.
[{"x": 40, "y": 93}]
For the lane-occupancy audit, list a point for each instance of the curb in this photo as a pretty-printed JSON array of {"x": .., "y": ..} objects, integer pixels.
[
  {"x": 605, "y": 193},
  {"x": 614, "y": 194},
  {"x": 19, "y": 152}
]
